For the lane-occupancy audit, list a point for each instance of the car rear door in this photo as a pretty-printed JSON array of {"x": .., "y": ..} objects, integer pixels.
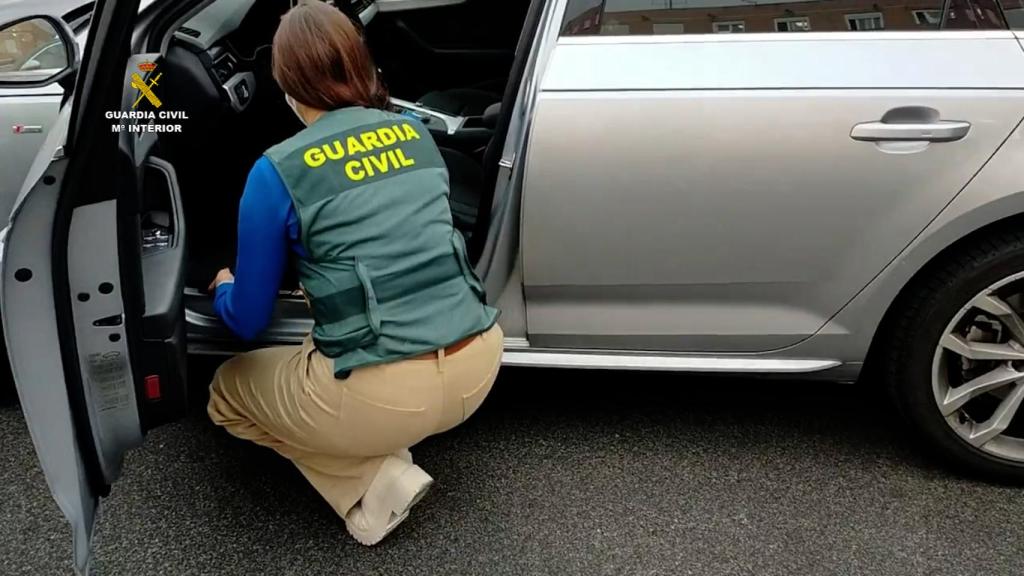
[
  {"x": 92, "y": 303},
  {"x": 28, "y": 114},
  {"x": 723, "y": 176}
]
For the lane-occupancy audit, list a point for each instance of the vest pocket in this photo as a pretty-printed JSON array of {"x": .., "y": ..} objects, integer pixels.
[
  {"x": 347, "y": 315},
  {"x": 459, "y": 245}
]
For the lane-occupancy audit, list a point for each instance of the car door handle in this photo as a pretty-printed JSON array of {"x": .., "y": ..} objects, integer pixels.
[{"x": 915, "y": 132}]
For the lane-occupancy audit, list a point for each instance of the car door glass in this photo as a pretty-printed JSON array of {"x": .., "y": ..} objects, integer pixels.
[
  {"x": 1014, "y": 10},
  {"x": 31, "y": 50},
  {"x": 667, "y": 17}
]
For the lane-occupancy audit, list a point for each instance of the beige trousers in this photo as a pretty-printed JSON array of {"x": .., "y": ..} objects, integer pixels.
[{"x": 338, "y": 432}]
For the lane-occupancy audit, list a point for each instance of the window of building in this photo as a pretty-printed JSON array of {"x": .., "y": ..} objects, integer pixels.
[
  {"x": 974, "y": 15},
  {"x": 733, "y": 27},
  {"x": 869, "y": 21},
  {"x": 614, "y": 29},
  {"x": 930, "y": 18},
  {"x": 794, "y": 24},
  {"x": 669, "y": 28}
]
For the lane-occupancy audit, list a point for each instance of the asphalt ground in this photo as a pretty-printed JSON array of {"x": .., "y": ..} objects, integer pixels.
[{"x": 561, "y": 472}]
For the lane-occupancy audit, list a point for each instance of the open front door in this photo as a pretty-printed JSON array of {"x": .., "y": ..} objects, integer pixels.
[{"x": 92, "y": 284}]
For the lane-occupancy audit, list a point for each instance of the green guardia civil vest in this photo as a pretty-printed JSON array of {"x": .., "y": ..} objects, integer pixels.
[{"x": 387, "y": 275}]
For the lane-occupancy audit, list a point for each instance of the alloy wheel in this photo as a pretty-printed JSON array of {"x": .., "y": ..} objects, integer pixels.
[{"x": 978, "y": 371}]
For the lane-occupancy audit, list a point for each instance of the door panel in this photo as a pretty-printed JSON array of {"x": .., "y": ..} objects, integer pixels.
[
  {"x": 98, "y": 312},
  {"x": 92, "y": 313},
  {"x": 66, "y": 455},
  {"x": 162, "y": 348},
  {"x": 33, "y": 109},
  {"x": 708, "y": 196}
]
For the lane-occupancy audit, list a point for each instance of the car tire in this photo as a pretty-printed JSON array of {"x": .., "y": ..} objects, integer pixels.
[
  {"x": 920, "y": 367},
  {"x": 7, "y": 390}
]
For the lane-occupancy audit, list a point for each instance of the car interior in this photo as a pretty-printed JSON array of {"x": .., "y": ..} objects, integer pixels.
[{"x": 445, "y": 62}]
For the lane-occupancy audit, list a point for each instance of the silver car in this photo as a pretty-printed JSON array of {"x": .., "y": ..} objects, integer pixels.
[
  {"x": 826, "y": 189},
  {"x": 30, "y": 112},
  {"x": 30, "y": 51}
]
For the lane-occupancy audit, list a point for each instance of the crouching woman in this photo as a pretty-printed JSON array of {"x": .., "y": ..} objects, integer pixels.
[{"x": 403, "y": 345}]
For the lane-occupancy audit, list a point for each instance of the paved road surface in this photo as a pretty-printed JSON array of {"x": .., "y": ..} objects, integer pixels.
[{"x": 560, "y": 473}]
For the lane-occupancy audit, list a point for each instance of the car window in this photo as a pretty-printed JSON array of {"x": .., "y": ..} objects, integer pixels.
[
  {"x": 657, "y": 17},
  {"x": 28, "y": 47},
  {"x": 1014, "y": 10}
]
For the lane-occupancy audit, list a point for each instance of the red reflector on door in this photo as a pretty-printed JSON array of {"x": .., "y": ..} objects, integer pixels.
[{"x": 152, "y": 387}]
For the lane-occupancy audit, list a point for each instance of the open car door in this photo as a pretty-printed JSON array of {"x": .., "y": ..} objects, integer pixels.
[{"x": 92, "y": 284}]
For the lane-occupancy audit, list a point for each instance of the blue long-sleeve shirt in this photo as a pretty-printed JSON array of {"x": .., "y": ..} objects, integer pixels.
[{"x": 268, "y": 227}]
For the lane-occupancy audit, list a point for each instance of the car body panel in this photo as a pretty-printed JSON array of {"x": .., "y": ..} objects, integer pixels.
[
  {"x": 30, "y": 327},
  {"x": 30, "y": 107},
  {"x": 38, "y": 106},
  {"x": 27, "y": 107},
  {"x": 995, "y": 194},
  {"x": 706, "y": 197}
]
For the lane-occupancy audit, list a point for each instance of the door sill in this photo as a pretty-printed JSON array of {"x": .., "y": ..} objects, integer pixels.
[{"x": 606, "y": 360}]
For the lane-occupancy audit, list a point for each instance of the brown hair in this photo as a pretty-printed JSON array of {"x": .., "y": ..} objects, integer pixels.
[{"x": 319, "y": 58}]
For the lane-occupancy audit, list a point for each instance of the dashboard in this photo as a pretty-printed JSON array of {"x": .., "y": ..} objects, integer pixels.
[
  {"x": 228, "y": 35},
  {"x": 221, "y": 56},
  {"x": 222, "y": 17}
]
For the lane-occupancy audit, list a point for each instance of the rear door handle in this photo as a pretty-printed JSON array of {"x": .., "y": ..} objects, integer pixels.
[{"x": 914, "y": 132}]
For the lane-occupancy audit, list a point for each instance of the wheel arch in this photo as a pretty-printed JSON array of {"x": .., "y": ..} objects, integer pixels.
[{"x": 907, "y": 271}]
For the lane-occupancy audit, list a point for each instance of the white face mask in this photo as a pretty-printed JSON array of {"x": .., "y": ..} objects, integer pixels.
[{"x": 294, "y": 107}]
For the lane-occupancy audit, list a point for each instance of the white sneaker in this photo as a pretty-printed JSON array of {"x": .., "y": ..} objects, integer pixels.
[{"x": 398, "y": 486}]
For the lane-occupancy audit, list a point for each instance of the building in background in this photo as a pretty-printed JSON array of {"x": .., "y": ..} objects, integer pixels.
[{"x": 658, "y": 17}]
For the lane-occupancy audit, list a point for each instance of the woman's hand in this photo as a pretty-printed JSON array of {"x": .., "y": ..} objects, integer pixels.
[{"x": 224, "y": 275}]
